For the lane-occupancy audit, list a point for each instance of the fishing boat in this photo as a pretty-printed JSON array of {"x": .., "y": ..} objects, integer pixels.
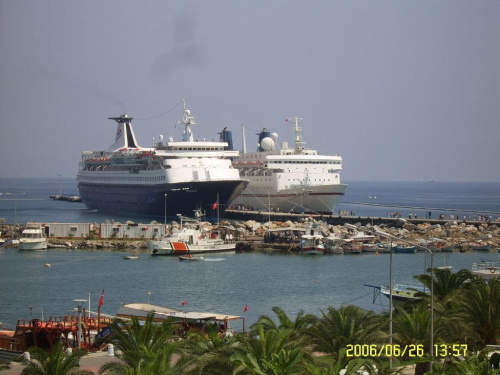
[
  {"x": 312, "y": 241},
  {"x": 405, "y": 249},
  {"x": 32, "y": 238},
  {"x": 476, "y": 246},
  {"x": 289, "y": 179},
  {"x": 181, "y": 175},
  {"x": 192, "y": 238}
]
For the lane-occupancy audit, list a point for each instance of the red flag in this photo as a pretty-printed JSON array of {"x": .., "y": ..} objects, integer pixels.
[
  {"x": 214, "y": 206},
  {"x": 101, "y": 300},
  {"x": 246, "y": 308},
  {"x": 184, "y": 303}
]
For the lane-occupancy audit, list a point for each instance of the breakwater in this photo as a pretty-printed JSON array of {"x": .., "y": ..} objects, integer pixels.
[{"x": 248, "y": 229}]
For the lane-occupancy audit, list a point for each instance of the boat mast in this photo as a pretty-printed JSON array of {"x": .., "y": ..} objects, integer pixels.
[
  {"x": 187, "y": 121},
  {"x": 299, "y": 143}
]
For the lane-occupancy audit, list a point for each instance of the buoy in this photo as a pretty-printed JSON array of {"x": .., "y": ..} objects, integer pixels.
[{"x": 48, "y": 265}]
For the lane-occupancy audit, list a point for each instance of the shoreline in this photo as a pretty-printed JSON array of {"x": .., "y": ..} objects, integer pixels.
[{"x": 249, "y": 228}]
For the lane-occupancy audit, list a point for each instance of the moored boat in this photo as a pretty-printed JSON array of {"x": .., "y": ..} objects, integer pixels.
[
  {"x": 185, "y": 320},
  {"x": 312, "y": 241},
  {"x": 191, "y": 239},
  {"x": 181, "y": 175},
  {"x": 289, "y": 179},
  {"x": 405, "y": 249},
  {"x": 32, "y": 238}
]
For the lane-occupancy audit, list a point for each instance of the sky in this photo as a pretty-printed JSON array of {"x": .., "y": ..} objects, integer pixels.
[{"x": 402, "y": 90}]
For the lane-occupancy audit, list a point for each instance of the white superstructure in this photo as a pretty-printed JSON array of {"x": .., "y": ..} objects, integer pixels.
[
  {"x": 32, "y": 238},
  {"x": 179, "y": 176},
  {"x": 289, "y": 179}
]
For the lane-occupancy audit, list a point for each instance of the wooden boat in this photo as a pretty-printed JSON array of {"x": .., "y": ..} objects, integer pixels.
[
  {"x": 188, "y": 258},
  {"x": 312, "y": 241},
  {"x": 480, "y": 247},
  {"x": 405, "y": 249}
]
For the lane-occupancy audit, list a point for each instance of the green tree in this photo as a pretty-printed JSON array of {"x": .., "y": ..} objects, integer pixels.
[
  {"x": 144, "y": 347},
  {"x": 348, "y": 325},
  {"x": 57, "y": 362},
  {"x": 275, "y": 351},
  {"x": 481, "y": 308},
  {"x": 301, "y": 321},
  {"x": 447, "y": 284},
  {"x": 207, "y": 353}
]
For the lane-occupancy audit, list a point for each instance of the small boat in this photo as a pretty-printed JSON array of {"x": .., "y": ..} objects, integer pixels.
[
  {"x": 480, "y": 247},
  {"x": 189, "y": 258},
  {"x": 402, "y": 292},
  {"x": 193, "y": 238},
  {"x": 32, "y": 238},
  {"x": 133, "y": 256},
  {"x": 312, "y": 242},
  {"x": 404, "y": 249}
]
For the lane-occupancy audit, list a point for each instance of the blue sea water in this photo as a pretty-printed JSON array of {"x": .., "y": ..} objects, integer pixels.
[
  {"x": 29, "y": 200},
  {"x": 223, "y": 283}
]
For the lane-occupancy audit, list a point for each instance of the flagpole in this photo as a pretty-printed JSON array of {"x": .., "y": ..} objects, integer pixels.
[{"x": 217, "y": 208}]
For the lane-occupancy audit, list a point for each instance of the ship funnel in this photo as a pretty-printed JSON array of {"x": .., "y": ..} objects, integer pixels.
[
  {"x": 125, "y": 137},
  {"x": 265, "y": 141},
  {"x": 226, "y": 136}
]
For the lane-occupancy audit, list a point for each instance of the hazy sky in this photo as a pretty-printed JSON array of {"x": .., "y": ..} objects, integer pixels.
[{"x": 403, "y": 90}]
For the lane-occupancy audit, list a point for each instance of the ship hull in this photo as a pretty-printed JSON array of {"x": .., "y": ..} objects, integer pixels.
[
  {"x": 150, "y": 200},
  {"x": 314, "y": 199}
]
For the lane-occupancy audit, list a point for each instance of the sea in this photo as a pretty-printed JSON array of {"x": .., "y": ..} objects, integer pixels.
[{"x": 222, "y": 283}]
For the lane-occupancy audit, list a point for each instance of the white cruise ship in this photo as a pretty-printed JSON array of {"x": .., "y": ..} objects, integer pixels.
[
  {"x": 289, "y": 179},
  {"x": 169, "y": 178}
]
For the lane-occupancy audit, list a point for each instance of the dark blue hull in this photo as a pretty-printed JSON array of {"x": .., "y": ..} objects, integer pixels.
[{"x": 150, "y": 200}]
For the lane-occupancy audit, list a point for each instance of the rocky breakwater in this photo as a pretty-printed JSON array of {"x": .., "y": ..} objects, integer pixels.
[{"x": 451, "y": 236}]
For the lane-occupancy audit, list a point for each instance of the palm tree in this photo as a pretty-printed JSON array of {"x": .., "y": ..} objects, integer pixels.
[
  {"x": 275, "y": 351},
  {"x": 481, "y": 308},
  {"x": 301, "y": 321},
  {"x": 57, "y": 362},
  {"x": 144, "y": 347},
  {"x": 207, "y": 353},
  {"x": 447, "y": 284},
  {"x": 152, "y": 364},
  {"x": 347, "y": 325}
]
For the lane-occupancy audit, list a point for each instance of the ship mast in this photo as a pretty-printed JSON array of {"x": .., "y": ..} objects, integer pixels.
[
  {"x": 187, "y": 121},
  {"x": 299, "y": 143}
]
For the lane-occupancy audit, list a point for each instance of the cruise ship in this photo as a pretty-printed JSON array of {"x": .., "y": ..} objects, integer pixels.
[
  {"x": 170, "y": 178},
  {"x": 289, "y": 179}
]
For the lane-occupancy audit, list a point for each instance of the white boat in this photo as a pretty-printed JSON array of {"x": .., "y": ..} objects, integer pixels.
[
  {"x": 192, "y": 238},
  {"x": 402, "y": 292},
  {"x": 486, "y": 269},
  {"x": 289, "y": 179},
  {"x": 32, "y": 238},
  {"x": 188, "y": 320},
  {"x": 176, "y": 175},
  {"x": 312, "y": 241}
]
